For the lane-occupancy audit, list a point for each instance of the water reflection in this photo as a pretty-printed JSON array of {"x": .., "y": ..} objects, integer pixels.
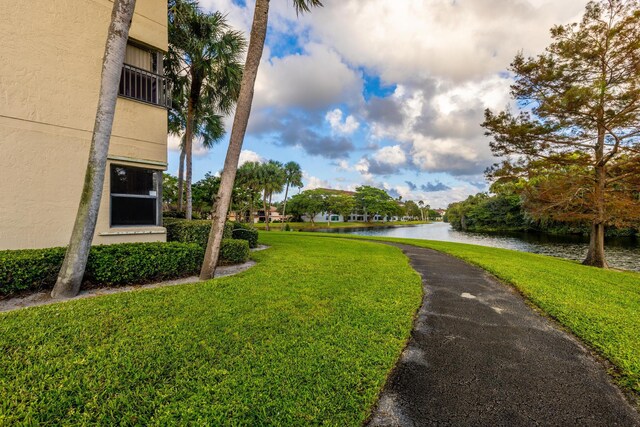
[{"x": 623, "y": 253}]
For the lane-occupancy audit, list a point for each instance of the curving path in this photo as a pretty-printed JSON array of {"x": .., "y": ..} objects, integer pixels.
[{"x": 479, "y": 356}]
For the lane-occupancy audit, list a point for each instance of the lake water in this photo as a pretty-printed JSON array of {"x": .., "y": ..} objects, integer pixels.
[{"x": 623, "y": 253}]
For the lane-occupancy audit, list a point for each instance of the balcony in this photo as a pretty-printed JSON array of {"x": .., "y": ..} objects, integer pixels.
[{"x": 144, "y": 86}]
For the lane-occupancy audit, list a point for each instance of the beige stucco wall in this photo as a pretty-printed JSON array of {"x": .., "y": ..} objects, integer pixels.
[{"x": 51, "y": 53}]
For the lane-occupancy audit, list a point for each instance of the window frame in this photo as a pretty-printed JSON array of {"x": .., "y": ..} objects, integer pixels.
[
  {"x": 149, "y": 87},
  {"x": 158, "y": 189}
]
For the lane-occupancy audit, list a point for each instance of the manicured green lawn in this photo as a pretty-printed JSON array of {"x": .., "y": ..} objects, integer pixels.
[
  {"x": 305, "y": 337},
  {"x": 601, "y": 307},
  {"x": 323, "y": 225}
]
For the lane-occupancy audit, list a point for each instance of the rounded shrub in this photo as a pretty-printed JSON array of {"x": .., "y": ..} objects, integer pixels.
[
  {"x": 234, "y": 251},
  {"x": 32, "y": 269},
  {"x": 194, "y": 231},
  {"x": 245, "y": 232}
]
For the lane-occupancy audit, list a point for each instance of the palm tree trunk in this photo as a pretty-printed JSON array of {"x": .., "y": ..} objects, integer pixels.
[
  {"x": 181, "y": 180},
  {"x": 194, "y": 100},
  {"x": 264, "y": 207},
  {"x": 269, "y": 211},
  {"x": 240, "y": 120},
  {"x": 75, "y": 260},
  {"x": 251, "y": 217},
  {"x": 188, "y": 140},
  {"x": 284, "y": 207}
]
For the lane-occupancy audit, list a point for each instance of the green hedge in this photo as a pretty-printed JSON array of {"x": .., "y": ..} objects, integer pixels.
[
  {"x": 245, "y": 232},
  {"x": 194, "y": 231},
  {"x": 29, "y": 269},
  {"x": 142, "y": 262},
  {"x": 234, "y": 251},
  {"x": 197, "y": 231},
  {"x": 119, "y": 264}
]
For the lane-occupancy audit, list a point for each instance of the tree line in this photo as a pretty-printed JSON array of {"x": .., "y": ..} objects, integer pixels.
[
  {"x": 255, "y": 185},
  {"x": 367, "y": 201},
  {"x": 505, "y": 210}
]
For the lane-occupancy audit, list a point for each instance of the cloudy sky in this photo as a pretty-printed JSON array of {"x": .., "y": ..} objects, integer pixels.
[{"x": 385, "y": 92}]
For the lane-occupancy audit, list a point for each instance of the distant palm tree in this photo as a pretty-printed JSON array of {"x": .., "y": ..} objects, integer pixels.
[
  {"x": 249, "y": 177},
  {"x": 203, "y": 64},
  {"x": 240, "y": 121},
  {"x": 272, "y": 179},
  {"x": 293, "y": 177},
  {"x": 208, "y": 128},
  {"x": 75, "y": 260}
]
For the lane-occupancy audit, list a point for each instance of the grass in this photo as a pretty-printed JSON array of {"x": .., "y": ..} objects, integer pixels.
[
  {"x": 297, "y": 226},
  {"x": 601, "y": 307},
  {"x": 305, "y": 337}
]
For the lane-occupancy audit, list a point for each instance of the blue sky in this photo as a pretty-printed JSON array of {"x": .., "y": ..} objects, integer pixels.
[{"x": 385, "y": 93}]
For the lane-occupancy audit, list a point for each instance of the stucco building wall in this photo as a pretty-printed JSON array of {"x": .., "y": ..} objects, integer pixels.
[{"x": 50, "y": 63}]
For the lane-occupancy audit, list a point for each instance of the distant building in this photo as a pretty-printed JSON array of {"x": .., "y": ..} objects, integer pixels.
[
  {"x": 258, "y": 216},
  {"x": 274, "y": 215},
  {"x": 355, "y": 216},
  {"x": 441, "y": 213},
  {"x": 51, "y": 66}
]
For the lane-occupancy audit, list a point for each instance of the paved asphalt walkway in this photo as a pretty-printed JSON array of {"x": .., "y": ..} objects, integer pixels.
[{"x": 479, "y": 356}]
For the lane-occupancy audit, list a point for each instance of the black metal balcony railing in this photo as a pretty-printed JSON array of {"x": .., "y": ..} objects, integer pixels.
[{"x": 145, "y": 86}]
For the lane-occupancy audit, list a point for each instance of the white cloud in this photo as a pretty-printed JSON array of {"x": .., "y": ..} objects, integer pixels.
[
  {"x": 458, "y": 40},
  {"x": 346, "y": 127},
  {"x": 314, "y": 80},
  {"x": 343, "y": 166},
  {"x": 392, "y": 155},
  {"x": 173, "y": 142},
  {"x": 238, "y": 17},
  {"x": 249, "y": 156},
  {"x": 312, "y": 182},
  {"x": 437, "y": 127},
  {"x": 362, "y": 166},
  {"x": 198, "y": 150}
]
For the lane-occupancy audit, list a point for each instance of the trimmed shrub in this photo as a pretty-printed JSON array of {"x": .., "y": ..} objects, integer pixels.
[
  {"x": 29, "y": 269},
  {"x": 142, "y": 262},
  {"x": 173, "y": 214},
  {"x": 234, "y": 251},
  {"x": 245, "y": 232},
  {"x": 119, "y": 264},
  {"x": 170, "y": 220},
  {"x": 197, "y": 231},
  {"x": 194, "y": 231}
]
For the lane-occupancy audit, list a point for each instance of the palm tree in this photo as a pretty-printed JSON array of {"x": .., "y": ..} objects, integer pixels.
[
  {"x": 249, "y": 177},
  {"x": 208, "y": 128},
  {"x": 240, "y": 121},
  {"x": 203, "y": 63},
  {"x": 272, "y": 179},
  {"x": 75, "y": 260},
  {"x": 293, "y": 177},
  {"x": 421, "y": 204}
]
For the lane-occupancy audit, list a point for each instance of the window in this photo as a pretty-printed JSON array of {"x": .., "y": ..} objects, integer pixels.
[
  {"x": 144, "y": 59},
  {"x": 142, "y": 78},
  {"x": 134, "y": 196}
]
